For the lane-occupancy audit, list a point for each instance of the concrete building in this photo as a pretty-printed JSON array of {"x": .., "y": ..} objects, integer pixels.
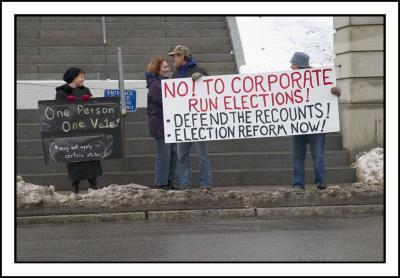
[{"x": 359, "y": 49}]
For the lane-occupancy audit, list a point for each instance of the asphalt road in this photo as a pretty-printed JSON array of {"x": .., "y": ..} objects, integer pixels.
[{"x": 307, "y": 240}]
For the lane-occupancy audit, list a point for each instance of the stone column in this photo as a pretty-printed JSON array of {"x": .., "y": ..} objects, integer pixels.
[
  {"x": 235, "y": 41},
  {"x": 358, "y": 45}
]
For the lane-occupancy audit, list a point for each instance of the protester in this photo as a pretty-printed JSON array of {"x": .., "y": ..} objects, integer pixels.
[
  {"x": 70, "y": 92},
  {"x": 186, "y": 66},
  {"x": 300, "y": 60},
  {"x": 166, "y": 156}
]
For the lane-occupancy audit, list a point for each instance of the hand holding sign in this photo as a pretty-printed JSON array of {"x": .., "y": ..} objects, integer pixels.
[
  {"x": 196, "y": 76},
  {"x": 336, "y": 91},
  {"x": 85, "y": 97},
  {"x": 71, "y": 99}
]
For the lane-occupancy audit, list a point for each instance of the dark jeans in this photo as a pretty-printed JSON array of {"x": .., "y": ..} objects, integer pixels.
[
  {"x": 317, "y": 145},
  {"x": 165, "y": 162},
  {"x": 184, "y": 167}
]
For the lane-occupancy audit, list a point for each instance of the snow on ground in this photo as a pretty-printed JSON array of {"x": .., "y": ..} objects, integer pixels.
[
  {"x": 30, "y": 195},
  {"x": 269, "y": 42},
  {"x": 369, "y": 167},
  {"x": 137, "y": 197}
]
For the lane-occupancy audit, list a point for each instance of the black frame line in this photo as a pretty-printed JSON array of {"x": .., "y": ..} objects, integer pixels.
[{"x": 184, "y": 15}]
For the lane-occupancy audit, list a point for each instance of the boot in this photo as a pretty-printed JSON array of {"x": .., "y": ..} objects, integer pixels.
[
  {"x": 321, "y": 185},
  {"x": 163, "y": 187},
  {"x": 93, "y": 183},
  {"x": 75, "y": 187},
  {"x": 171, "y": 186}
]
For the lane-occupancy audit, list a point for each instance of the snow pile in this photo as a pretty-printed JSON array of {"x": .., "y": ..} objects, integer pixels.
[
  {"x": 32, "y": 195},
  {"x": 133, "y": 197},
  {"x": 114, "y": 196},
  {"x": 369, "y": 167},
  {"x": 269, "y": 42},
  {"x": 29, "y": 194}
]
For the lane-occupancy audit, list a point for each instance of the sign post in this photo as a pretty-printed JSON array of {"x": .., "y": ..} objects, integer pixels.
[
  {"x": 103, "y": 20},
  {"x": 123, "y": 104}
]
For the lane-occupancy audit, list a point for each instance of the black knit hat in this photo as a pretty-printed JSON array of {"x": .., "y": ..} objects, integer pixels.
[{"x": 71, "y": 74}]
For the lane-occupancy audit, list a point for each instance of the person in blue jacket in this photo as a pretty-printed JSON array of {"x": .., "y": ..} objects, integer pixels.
[
  {"x": 186, "y": 66},
  {"x": 300, "y": 60}
]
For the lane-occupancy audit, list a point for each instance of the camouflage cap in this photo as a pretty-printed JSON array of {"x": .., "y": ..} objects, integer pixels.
[{"x": 181, "y": 50}]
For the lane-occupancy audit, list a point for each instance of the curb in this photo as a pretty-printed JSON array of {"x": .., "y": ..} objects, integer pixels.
[
  {"x": 268, "y": 213},
  {"x": 325, "y": 211},
  {"x": 80, "y": 218},
  {"x": 196, "y": 214}
]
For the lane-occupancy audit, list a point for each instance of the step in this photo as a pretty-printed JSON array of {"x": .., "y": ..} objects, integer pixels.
[
  {"x": 96, "y": 18},
  {"x": 92, "y": 18},
  {"x": 100, "y": 75},
  {"x": 118, "y": 26},
  {"x": 195, "y": 18},
  {"x": 145, "y": 145},
  {"x": 126, "y": 42},
  {"x": 92, "y": 68},
  {"x": 27, "y": 19},
  {"x": 163, "y": 19},
  {"x": 228, "y": 177},
  {"x": 112, "y": 59},
  {"x": 130, "y": 18},
  {"x": 236, "y": 160},
  {"x": 122, "y": 34},
  {"x": 138, "y": 50}
]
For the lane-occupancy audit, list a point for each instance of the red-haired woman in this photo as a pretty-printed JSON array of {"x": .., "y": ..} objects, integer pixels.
[{"x": 166, "y": 156}]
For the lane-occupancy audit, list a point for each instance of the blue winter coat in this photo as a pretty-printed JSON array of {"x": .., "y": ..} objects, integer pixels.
[{"x": 188, "y": 69}]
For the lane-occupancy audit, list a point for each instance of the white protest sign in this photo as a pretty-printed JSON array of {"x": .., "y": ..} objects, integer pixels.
[{"x": 250, "y": 105}]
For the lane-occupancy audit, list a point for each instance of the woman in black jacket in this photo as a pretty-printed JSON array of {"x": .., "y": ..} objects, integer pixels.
[{"x": 72, "y": 90}]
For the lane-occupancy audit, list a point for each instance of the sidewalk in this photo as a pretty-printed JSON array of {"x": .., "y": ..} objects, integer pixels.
[{"x": 135, "y": 202}]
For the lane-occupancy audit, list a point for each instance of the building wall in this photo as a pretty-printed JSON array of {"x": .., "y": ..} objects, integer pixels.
[
  {"x": 29, "y": 92},
  {"x": 359, "y": 49}
]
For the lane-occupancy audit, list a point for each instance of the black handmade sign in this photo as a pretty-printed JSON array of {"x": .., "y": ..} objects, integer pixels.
[
  {"x": 82, "y": 148},
  {"x": 81, "y": 131}
]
